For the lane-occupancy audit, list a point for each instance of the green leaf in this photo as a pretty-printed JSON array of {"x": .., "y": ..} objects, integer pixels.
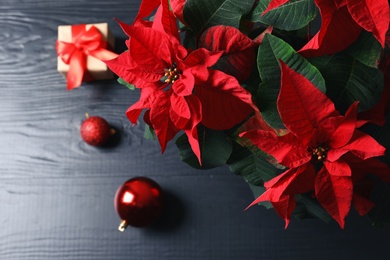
[
  {"x": 366, "y": 49},
  {"x": 267, "y": 94},
  {"x": 189, "y": 40},
  {"x": 254, "y": 169},
  {"x": 257, "y": 191},
  {"x": 313, "y": 207},
  {"x": 149, "y": 133},
  {"x": 202, "y": 14},
  {"x": 128, "y": 85},
  {"x": 290, "y": 16},
  {"x": 349, "y": 80},
  {"x": 270, "y": 52},
  {"x": 215, "y": 147}
]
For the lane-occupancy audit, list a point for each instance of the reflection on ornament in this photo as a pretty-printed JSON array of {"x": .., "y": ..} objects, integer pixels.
[{"x": 138, "y": 202}]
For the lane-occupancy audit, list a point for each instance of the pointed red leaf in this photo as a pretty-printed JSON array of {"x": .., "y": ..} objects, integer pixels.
[
  {"x": 238, "y": 59},
  {"x": 326, "y": 130},
  {"x": 364, "y": 146},
  {"x": 339, "y": 168},
  {"x": 152, "y": 49},
  {"x": 165, "y": 20},
  {"x": 180, "y": 106},
  {"x": 191, "y": 130},
  {"x": 274, "y": 4},
  {"x": 146, "y": 8},
  {"x": 123, "y": 66},
  {"x": 335, "y": 194},
  {"x": 338, "y": 31},
  {"x": 304, "y": 181},
  {"x": 257, "y": 122},
  {"x": 362, "y": 204},
  {"x": 148, "y": 47},
  {"x": 372, "y": 15},
  {"x": 161, "y": 121},
  {"x": 202, "y": 57},
  {"x": 285, "y": 207},
  {"x": 293, "y": 181},
  {"x": 225, "y": 103},
  {"x": 189, "y": 125},
  {"x": 345, "y": 130},
  {"x": 177, "y": 8},
  {"x": 298, "y": 103},
  {"x": 198, "y": 62},
  {"x": 147, "y": 97},
  {"x": 185, "y": 84},
  {"x": 286, "y": 149}
]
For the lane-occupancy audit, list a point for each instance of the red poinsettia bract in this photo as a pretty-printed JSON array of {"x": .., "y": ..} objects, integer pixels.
[
  {"x": 239, "y": 50},
  {"x": 318, "y": 138},
  {"x": 341, "y": 23},
  {"x": 175, "y": 83}
]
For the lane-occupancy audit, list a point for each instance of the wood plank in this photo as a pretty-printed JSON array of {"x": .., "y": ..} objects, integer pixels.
[{"x": 56, "y": 192}]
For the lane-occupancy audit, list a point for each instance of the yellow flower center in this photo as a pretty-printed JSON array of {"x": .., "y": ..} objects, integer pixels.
[
  {"x": 171, "y": 74},
  {"x": 319, "y": 153}
]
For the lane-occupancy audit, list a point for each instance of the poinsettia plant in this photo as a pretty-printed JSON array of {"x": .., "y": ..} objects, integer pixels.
[{"x": 293, "y": 95}]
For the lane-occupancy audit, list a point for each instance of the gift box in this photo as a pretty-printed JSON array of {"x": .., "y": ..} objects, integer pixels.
[{"x": 83, "y": 47}]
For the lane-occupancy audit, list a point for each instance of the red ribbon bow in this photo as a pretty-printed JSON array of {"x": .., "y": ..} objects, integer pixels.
[{"x": 84, "y": 42}]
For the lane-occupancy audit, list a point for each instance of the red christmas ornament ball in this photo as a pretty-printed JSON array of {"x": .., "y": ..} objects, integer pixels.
[
  {"x": 95, "y": 131},
  {"x": 138, "y": 202}
]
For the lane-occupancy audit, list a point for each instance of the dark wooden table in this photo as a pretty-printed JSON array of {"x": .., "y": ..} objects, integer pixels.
[{"x": 56, "y": 192}]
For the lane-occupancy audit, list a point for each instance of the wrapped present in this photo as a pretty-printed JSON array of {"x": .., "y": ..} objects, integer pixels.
[{"x": 81, "y": 50}]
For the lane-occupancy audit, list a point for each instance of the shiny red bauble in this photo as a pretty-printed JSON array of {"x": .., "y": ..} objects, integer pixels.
[
  {"x": 138, "y": 202},
  {"x": 95, "y": 131}
]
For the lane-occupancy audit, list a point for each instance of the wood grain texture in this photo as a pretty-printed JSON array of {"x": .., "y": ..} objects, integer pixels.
[{"x": 56, "y": 192}]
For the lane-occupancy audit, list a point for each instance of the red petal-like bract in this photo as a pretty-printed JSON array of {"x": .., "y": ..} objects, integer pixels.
[
  {"x": 274, "y": 4},
  {"x": 191, "y": 128},
  {"x": 293, "y": 181},
  {"x": 124, "y": 67},
  {"x": 371, "y": 15},
  {"x": 165, "y": 20},
  {"x": 339, "y": 168},
  {"x": 239, "y": 52},
  {"x": 161, "y": 119},
  {"x": 362, "y": 204},
  {"x": 335, "y": 194},
  {"x": 298, "y": 103},
  {"x": 224, "y": 102},
  {"x": 345, "y": 130},
  {"x": 285, "y": 207},
  {"x": 287, "y": 149},
  {"x": 181, "y": 107},
  {"x": 338, "y": 31},
  {"x": 364, "y": 146},
  {"x": 153, "y": 50},
  {"x": 148, "y": 95},
  {"x": 146, "y": 8},
  {"x": 177, "y": 8}
]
